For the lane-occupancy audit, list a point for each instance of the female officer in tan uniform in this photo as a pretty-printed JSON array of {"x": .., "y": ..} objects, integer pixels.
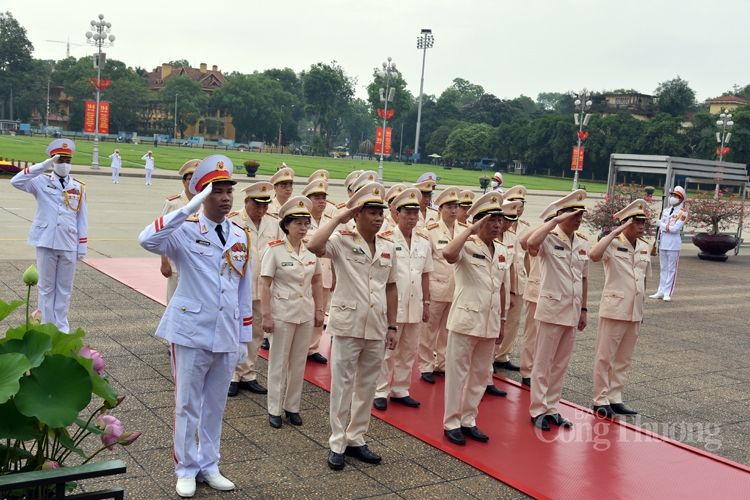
[{"x": 291, "y": 300}]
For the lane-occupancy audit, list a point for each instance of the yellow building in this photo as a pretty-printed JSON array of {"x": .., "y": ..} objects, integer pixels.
[
  {"x": 717, "y": 105},
  {"x": 640, "y": 106}
]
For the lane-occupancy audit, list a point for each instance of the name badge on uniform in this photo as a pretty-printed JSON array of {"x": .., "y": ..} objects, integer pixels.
[
  {"x": 358, "y": 250},
  {"x": 622, "y": 249},
  {"x": 478, "y": 256},
  {"x": 558, "y": 247},
  {"x": 443, "y": 242},
  {"x": 398, "y": 248},
  {"x": 203, "y": 242},
  {"x": 286, "y": 264}
]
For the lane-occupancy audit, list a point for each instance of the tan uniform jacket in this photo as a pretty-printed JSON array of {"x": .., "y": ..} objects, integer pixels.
[
  {"x": 563, "y": 264},
  {"x": 411, "y": 263},
  {"x": 358, "y": 306},
  {"x": 625, "y": 272},
  {"x": 432, "y": 217},
  {"x": 268, "y": 231},
  {"x": 476, "y": 302},
  {"x": 388, "y": 223},
  {"x": 325, "y": 264},
  {"x": 521, "y": 228},
  {"x": 292, "y": 273},
  {"x": 509, "y": 241},
  {"x": 331, "y": 211},
  {"x": 532, "y": 285},
  {"x": 442, "y": 281}
]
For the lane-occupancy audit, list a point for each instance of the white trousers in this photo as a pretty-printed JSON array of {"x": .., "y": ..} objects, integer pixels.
[
  {"x": 615, "y": 342},
  {"x": 246, "y": 371},
  {"x": 554, "y": 345},
  {"x": 434, "y": 338},
  {"x": 286, "y": 365},
  {"x": 201, "y": 382},
  {"x": 395, "y": 372},
  {"x": 317, "y": 332},
  {"x": 530, "y": 329},
  {"x": 57, "y": 268},
  {"x": 115, "y": 174},
  {"x": 355, "y": 365},
  {"x": 149, "y": 171},
  {"x": 467, "y": 361},
  {"x": 668, "y": 260},
  {"x": 502, "y": 354}
]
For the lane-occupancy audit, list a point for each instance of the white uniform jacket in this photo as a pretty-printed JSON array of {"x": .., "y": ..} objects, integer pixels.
[
  {"x": 212, "y": 308},
  {"x": 61, "y": 221},
  {"x": 410, "y": 264},
  {"x": 671, "y": 223},
  {"x": 149, "y": 161},
  {"x": 116, "y": 160}
]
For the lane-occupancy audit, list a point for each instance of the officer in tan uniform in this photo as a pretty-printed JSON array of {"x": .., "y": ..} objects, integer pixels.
[
  {"x": 627, "y": 264},
  {"x": 514, "y": 200},
  {"x": 363, "y": 178},
  {"x": 263, "y": 228},
  {"x": 362, "y": 317},
  {"x": 465, "y": 200},
  {"x": 414, "y": 261},
  {"x": 476, "y": 321},
  {"x": 317, "y": 193},
  {"x": 391, "y": 220},
  {"x": 323, "y": 175},
  {"x": 283, "y": 186},
  {"x": 291, "y": 298},
  {"x": 564, "y": 263},
  {"x": 434, "y": 336},
  {"x": 427, "y": 214},
  {"x": 176, "y": 202}
]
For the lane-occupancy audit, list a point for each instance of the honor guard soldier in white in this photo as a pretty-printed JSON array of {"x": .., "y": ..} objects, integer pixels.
[
  {"x": 670, "y": 243},
  {"x": 627, "y": 265},
  {"x": 116, "y": 165},
  {"x": 209, "y": 319},
  {"x": 149, "y": 159},
  {"x": 59, "y": 230},
  {"x": 283, "y": 186}
]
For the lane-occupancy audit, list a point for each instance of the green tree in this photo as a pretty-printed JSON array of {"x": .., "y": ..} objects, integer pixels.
[
  {"x": 178, "y": 63},
  {"x": 358, "y": 124},
  {"x": 32, "y": 92},
  {"x": 127, "y": 97},
  {"x": 548, "y": 100},
  {"x": 438, "y": 139},
  {"x": 192, "y": 102},
  {"x": 468, "y": 143},
  {"x": 487, "y": 109},
  {"x": 675, "y": 96},
  {"x": 467, "y": 92},
  {"x": 15, "y": 58},
  {"x": 403, "y": 100},
  {"x": 328, "y": 90}
]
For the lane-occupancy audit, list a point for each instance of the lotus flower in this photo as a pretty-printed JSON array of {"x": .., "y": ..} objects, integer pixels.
[
  {"x": 49, "y": 464},
  {"x": 113, "y": 429},
  {"x": 88, "y": 352},
  {"x": 31, "y": 276},
  {"x": 35, "y": 318},
  {"x": 127, "y": 438}
]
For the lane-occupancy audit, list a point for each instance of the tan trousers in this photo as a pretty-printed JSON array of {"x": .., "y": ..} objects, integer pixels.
[
  {"x": 286, "y": 365},
  {"x": 246, "y": 371},
  {"x": 355, "y": 365},
  {"x": 465, "y": 378},
  {"x": 513, "y": 320},
  {"x": 172, "y": 284},
  {"x": 530, "y": 329},
  {"x": 554, "y": 345},
  {"x": 434, "y": 338},
  {"x": 395, "y": 372},
  {"x": 615, "y": 342},
  {"x": 317, "y": 332}
]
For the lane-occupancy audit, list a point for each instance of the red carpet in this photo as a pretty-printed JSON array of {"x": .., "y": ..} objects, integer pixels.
[{"x": 596, "y": 459}]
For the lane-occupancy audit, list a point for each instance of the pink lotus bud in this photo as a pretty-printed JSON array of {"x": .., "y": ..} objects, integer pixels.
[
  {"x": 35, "y": 318},
  {"x": 88, "y": 352},
  {"x": 113, "y": 429},
  {"x": 49, "y": 464},
  {"x": 127, "y": 438}
]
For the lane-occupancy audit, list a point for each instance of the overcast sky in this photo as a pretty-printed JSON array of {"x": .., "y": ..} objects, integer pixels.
[{"x": 508, "y": 47}]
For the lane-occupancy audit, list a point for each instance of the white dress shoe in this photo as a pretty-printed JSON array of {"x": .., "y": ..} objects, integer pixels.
[
  {"x": 185, "y": 487},
  {"x": 656, "y": 296},
  {"x": 667, "y": 298},
  {"x": 216, "y": 481}
]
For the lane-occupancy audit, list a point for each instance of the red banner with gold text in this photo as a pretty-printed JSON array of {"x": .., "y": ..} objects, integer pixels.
[
  {"x": 104, "y": 118},
  {"x": 577, "y": 161},
  {"x": 89, "y": 118}
]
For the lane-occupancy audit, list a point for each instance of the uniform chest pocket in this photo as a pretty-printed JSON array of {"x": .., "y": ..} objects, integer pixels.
[
  {"x": 342, "y": 314},
  {"x": 356, "y": 259},
  {"x": 185, "y": 313},
  {"x": 479, "y": 262},
  {"x": 622, "y": 255},
  {"x": 281, "y": 295},
  {"x": 583, "y": 256},
  {"x": 202, "y": 250},
  {"x": 386, "y": 262}
]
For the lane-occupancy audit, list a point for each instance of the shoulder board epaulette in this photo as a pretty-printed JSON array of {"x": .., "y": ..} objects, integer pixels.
[
  {"x": 327, "y": 216},
  {"x": 499, "y": 242},
  {"x": 331, "y": 202},
  {"x": 79, "y": 182},
  {"x": 306, "y": 240},
  {"x": 511, "y": 230},
  {"x": 433, "y": 209},
  {"x": 471, "y": 238},
  {"x": 423, "y": 235},
  {"x": 192, "y": 218},
  {"x": 173, "y": 197},
  {"x": 231, "y": 214},
  {"x": 524, "y": 222},
  {"x": 433, "y": 226},
  {"x": 387, "y": 233},
  {"x": 463, "y": 224},
  {"x": 238, "y": 225},
  {"x": 274, "y": 243},
  {"x": 272, "y": 215},
  {"x": 583, "y": 236},
  {"x": 644, "y": 240},
  {"x": 554, "y": 232},
  {"x": 346, "y": 232},
  {"x": 341, "y": 205},
  {"x": 386, "y": 238}
]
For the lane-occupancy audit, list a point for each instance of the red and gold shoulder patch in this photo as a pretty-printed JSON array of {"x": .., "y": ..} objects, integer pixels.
[
  {"x": 423, "y": 235},
  {"x": 192, "y": 218},
  {"x": 231, "y": 214},
  {"x": 433, "y": 226},
  {"x": 172, "y": 198},
  {"x": 524, "y": 222},
  {"x": 341, "y": 205},
  {"x": 463, "y": 224},
  {"x": 274, "y": 216},
  {"x": 331, "y": 202},
  {"x": 275, "y": 243},
  {"x": 79, "y": 181},
  {"x": 582, "y": 236},
  {"x": 346, "y": 232},
  {"x": 387, "y": 233},
  {"x": 386, "y": 238}
]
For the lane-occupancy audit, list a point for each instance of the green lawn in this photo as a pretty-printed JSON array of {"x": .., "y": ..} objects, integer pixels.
[{"x": 32, "y": 149}]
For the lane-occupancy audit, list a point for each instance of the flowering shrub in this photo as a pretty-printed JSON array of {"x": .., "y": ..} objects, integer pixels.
[
  {"x": 601, "y": 218},
  {"x": 251, "y": 164},
  {"x": 715, "y": 214},
  {"x": 47, "y": 378}
]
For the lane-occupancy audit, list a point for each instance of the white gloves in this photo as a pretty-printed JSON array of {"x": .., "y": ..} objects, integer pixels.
[
  {"x": 195, "y": 204},
  {"x": 81, "y": 256},
  {"x": 242, "y": 353},
  {"x": 49, "y": 162}
]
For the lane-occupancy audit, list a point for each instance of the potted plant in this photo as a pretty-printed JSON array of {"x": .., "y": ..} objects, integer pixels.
[
  {"x": 47, "y": 379},
  {"x": 601, "y": 218},
  {"x": 715, "y": 214},
  {"x": 251, "y": 166}
]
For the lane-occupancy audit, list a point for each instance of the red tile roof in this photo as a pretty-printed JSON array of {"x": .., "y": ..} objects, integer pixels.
[
  {"x": 728, "y": 98},
  {"x": 210, "y": 80}
]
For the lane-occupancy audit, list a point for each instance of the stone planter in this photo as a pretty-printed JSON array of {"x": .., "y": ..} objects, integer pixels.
[
  {"x": 714, "y": 247},
  {"x": 251, "y": 171}
]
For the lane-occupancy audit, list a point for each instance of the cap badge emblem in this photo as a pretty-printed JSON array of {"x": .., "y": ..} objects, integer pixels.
[
  {"x": 220, "y": 165},
  {"x": 493, "y": 199},
  {"x": 580, "y": 197},
  {"x": 263, "y": 189}
]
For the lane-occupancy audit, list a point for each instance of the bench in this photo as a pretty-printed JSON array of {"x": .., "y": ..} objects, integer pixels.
[{"x": 59, "y": 477}]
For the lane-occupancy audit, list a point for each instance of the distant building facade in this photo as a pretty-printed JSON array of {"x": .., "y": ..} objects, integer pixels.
[
  {"x": 641, "y": 106},
  {"x": 717, "y": 105}
]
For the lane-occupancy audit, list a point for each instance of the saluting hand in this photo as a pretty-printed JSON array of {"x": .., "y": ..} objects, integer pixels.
[
  {"x": 565, "y": 215},
  {"x": 477, "y": 226},
  {"x": 619, "y": 229},
  {"x": 349, "y": 214}
]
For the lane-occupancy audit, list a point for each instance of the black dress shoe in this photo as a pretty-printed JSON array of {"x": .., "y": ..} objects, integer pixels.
[
  {"x": 406, "y": 401},
  {"x": 438, "y": 373},
  {"x": 294, "y": 418},
  {"x": 604, "y": 411},
  {"x": 316, "y": 357},
  {"x": 621, "y": 409},
  {"x": 526, "y": 382},
  {"x": 558, "y": 420},
  {"x": 253, "y": 386},
  {"x": 540, "y": 422},
  {"x": 428, "y": 377},
  {"x": 275, "y": 421},
  {"x": 363, "y": 454},
  {"x": 494, "y": 391},
  {"x": 380, "y": 404},
  {"x": 265, "y": 344},
  {"x": 335, "y": 460},
  {"x": 234, "y": 389},
  {"x": 455, "y": 436},
  {"x": 506, "y": 365},
  {"x": 475, "y": 434}
]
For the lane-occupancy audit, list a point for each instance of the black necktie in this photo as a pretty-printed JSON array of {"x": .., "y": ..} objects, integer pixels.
[
  {"x": 62, "y": 182},
  {"x": 221, "y": 234},
  {"x": 671, "y": 211}
]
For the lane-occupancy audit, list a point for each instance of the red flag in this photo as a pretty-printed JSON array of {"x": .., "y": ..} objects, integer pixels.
[
  {"x": 389, "y": 114},
  {"x": 720, "y": 151},
  {"x": 583, "y": 135}
]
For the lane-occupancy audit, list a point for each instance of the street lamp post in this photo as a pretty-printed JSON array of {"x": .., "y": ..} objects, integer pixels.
[
  {"x": 175, "y": 116},
  {"x": 582, "y": 119},
  {"x": 387, "y": 94},
  {"x": 424, "y": 42},
  {"x": 725, "y": 122},
  {"x": 99, "y": 38}
]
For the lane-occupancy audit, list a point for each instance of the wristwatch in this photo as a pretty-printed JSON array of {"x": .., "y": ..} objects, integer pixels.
[
  {"x": 394, "y": 328},
  {"x": 426, "y": 302}
]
